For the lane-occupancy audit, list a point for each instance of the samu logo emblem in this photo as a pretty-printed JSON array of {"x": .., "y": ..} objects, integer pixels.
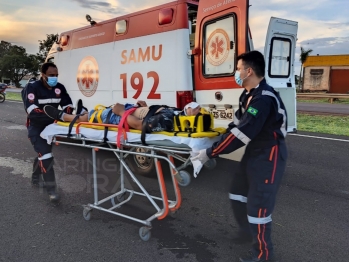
[
  {"x": 88, "y": 76},
  {"x": 217, "y": 47}
]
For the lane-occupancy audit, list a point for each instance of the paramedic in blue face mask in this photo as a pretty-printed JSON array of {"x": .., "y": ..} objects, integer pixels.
[
  {"x": 260, "y": 125},
  {"x": 37, "y": 94}
]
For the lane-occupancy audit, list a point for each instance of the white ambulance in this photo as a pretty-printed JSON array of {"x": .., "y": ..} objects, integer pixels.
[{"x": 172, "y": 54}]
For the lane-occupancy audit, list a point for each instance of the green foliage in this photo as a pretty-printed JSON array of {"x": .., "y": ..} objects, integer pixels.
[
  {"x": 304, "y": 55},
  {"x": 302, "y": 58},
  {"x": 45, "y": 46},
  {"x": 15, "y": 63}
]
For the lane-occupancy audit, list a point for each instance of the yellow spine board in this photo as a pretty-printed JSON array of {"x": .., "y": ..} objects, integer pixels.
[{"x": 188, "y": 122}]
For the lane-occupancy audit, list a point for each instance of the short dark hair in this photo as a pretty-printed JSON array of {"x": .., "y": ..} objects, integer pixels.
[
  {"x": 45, "y": 66},
  {"x": 255, "y": 60}
]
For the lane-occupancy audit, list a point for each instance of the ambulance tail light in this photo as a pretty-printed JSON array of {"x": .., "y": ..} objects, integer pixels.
[{"x": 183, "y": 98}]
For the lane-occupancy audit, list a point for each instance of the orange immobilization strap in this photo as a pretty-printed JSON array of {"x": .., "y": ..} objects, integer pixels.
[{"x": 123, "y": 126}]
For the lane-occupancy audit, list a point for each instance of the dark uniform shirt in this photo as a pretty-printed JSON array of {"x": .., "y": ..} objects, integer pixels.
[
  {"x": 260, "y": 122},
  {"x": 36, "y": 95}
]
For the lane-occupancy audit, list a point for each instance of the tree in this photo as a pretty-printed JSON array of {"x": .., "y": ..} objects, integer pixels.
[
  {"x": 302, "y": 58},
  {"x": 45, "y": 46},
  {"x": 16, "y": 63},
  {"x": 4, "y": 48}
]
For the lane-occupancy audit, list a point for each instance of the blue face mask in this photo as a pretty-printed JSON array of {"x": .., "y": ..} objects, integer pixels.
[
  {"x": 238, "y": 79},
  {"x": 52, "y": 81}
]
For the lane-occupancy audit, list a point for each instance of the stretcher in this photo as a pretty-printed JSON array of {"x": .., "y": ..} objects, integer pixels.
[{"x": 159, "y": 147}]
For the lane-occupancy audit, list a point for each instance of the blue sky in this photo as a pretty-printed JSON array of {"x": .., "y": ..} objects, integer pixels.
[{"x": 323, "y": 25}]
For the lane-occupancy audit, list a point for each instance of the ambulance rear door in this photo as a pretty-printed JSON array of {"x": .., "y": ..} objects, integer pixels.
[
  {"x": 221, "y": 34},
  {"x": 279, "y": 53}
]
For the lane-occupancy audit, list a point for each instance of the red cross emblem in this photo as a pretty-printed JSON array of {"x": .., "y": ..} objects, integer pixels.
[
  {"x": 88, "y": 76},
  {"x": 87, "y": 80},
  {"x": 217, "y": 47}
]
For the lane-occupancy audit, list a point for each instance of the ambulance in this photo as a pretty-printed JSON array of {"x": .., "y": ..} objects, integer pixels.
[{"x": 173, "y": 54}]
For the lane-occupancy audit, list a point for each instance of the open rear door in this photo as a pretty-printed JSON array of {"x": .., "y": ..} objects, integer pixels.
[{"x": 279, "y": 52}]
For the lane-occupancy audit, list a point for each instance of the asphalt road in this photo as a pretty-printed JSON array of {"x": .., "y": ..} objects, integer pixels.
[
  {"x": 311, "y": 219},
  {"x": 323, "y": 108}
]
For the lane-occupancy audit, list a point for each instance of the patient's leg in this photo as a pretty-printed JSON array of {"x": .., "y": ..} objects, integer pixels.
[{"x": 69, "y": 118}]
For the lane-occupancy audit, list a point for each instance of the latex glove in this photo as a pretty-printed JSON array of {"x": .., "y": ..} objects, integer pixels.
[
  {"x": 200, "y": 156},
  {"x": 198, "y": 159}
]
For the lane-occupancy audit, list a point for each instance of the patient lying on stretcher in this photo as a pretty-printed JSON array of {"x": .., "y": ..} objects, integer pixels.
[{"x": 160, "y": 120}]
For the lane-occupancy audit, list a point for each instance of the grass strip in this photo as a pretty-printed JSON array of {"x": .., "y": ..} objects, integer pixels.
[
  {"x": 13, "y": 96},
  {"x": 334, "y": 125},
  {"x": 323, "y": 101}
]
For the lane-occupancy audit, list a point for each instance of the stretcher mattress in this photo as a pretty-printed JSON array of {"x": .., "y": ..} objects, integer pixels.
[{"x": 195, "y": 144}]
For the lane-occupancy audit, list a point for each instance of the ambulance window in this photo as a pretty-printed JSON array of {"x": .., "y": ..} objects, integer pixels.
[
  {"x": 219, "y": 47},
  {"x": 121, "y": 27},
  {"x": 280, "y": 58}
]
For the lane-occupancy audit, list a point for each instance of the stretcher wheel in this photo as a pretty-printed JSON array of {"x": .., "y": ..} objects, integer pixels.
[
  {"x": 210, "y": 164},
  {"x": 144, "y": 233},
  {"x": 185, "y": 178},
  {"x": 87, "y": 213}
]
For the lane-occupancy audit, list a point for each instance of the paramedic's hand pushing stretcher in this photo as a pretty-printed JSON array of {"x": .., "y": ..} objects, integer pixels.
[{"x": 161, "y": 121}]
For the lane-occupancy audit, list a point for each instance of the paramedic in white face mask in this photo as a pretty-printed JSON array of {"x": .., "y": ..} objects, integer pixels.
[
  {"x": 35, "y": 95},
  {"x": 260, "y": 123}
]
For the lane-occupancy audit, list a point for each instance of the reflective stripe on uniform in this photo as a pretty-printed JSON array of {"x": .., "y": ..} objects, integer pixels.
[
  {"x": 64, "y": 107},
  {"x": 259, "y": 220},
  {"x": 236, "y": 121},
  {"x": 239, "y": 198},
  {"x": 46, "y": 156},
  {"x": 31, "y": 108},
  {"x": 280, "y": 111},
  {"x": 241, "y": 136},
  {"x": 49, "y": 101}
]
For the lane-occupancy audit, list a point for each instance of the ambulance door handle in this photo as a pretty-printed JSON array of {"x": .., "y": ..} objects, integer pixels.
[
  {"x": 231, "y": 45},
  {"x": 194, "y": 51}
]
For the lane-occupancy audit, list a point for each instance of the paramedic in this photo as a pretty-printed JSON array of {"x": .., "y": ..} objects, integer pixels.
[
  {"x": 37, "y": 94},
  {"x": 260, "y": 124}
]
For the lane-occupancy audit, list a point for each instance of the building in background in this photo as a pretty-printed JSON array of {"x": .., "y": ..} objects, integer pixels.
[{"x": 328, "y": 73}]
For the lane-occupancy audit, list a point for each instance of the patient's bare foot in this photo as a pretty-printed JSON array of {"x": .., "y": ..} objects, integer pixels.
[{"x": 118, "y": 109}]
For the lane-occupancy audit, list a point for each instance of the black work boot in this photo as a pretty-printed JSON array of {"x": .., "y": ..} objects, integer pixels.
[
  {"x": 53, "y": 112},
  {"x": 79, "y": 107},
  {"x": 53, "y": 195},
  {"x": 252, "y": 257}
]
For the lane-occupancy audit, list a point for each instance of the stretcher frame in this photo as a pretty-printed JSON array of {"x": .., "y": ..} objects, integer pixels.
[{"x": 178, "y": 175}]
